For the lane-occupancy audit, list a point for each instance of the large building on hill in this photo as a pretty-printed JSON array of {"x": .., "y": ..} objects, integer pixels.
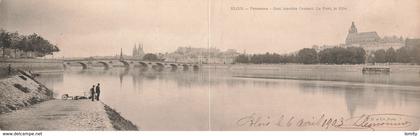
[
  {"x": 354, "y": 37},
  {"x": 371, "y": 41}
]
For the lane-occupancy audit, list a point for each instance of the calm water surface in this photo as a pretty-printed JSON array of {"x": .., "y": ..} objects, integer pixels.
[{"x": 219, "y": 100}]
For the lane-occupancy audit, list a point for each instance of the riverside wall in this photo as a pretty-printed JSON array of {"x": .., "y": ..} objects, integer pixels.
[{"x": 34, "y": 65}]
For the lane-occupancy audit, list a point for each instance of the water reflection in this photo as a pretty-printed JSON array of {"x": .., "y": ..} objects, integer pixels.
[
  {"x": 51, "y": 80},
  {"x": 182, "y": 100}
]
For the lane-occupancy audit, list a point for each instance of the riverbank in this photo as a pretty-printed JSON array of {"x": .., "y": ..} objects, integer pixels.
[
  {"x": 395, "y": 67},
  {"x": 20, "y": 90},
  {"x": 399, "y": 74},
  {"x": 117, "y": 121},
  {"x": 26, "y": 104},
  {"x": 68, "y": 115},
  {"x": 34, "y": 65}
]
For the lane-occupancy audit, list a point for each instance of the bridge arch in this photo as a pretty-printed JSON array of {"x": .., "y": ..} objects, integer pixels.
[
  {"x": 106, "y": 65},
  {"x": 158, "y": 67},
  {"x": 126, "y": 64},
  {"x": 185, "y": 67},
  {"x": 173, "y": 67},
  {"x": 160, "y": 64},
  {"x": 195, "y": 67},
  {"x": 143, "y": 64},
  {"x": 84, "y": 65}
]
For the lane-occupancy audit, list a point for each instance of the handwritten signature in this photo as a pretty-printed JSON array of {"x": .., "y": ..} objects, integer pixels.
[{"x": 365, "y": 121}]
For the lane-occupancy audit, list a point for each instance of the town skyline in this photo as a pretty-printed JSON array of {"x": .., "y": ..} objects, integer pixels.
[{"x": 106, "y": 27}]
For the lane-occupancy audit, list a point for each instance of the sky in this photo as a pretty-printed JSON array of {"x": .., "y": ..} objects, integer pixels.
[{"x": 83, "y": 28}]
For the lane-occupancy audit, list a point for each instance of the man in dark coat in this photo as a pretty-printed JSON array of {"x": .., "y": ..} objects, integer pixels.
[
  {"x": 9, "y": 69},
  {"x": 98, "y": 92},
  {"x": 92, "y": 93}
]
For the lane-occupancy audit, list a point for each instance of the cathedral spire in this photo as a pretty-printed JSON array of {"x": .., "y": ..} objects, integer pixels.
[
  {"x": 134, "y": 50},
  {"x": 353, "y": 28},
  {"x": 140, "y": 50}
]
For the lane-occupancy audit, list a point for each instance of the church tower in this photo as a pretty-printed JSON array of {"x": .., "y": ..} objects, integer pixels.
[
  {"x": 361, "y": 38},
  {"x": 140, "y": 51},
  {"x": 353, "y": 28},
  {"x": 135, "y": 51}
]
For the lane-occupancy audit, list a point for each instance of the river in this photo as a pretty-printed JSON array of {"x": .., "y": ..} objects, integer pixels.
[{"x": 215, "y": 99}]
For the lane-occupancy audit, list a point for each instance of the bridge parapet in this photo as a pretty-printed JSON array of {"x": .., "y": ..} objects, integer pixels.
[{"x": 129, "y": 63}]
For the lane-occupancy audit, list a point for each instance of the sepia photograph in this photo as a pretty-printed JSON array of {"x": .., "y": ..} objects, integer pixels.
[{"x": 209, "y": 65}]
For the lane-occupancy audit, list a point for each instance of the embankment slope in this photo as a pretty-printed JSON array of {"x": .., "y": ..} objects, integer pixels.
[{"x": 20, "y": 90}]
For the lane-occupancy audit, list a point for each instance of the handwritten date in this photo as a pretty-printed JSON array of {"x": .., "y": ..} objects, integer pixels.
[{"x": 366, "y": 121}]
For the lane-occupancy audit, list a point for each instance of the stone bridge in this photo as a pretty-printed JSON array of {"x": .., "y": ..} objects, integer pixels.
[{"x": 130, "y": 63}]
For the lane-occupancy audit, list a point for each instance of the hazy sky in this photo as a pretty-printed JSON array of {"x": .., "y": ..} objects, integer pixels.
[{"x": 102, "y": 27}]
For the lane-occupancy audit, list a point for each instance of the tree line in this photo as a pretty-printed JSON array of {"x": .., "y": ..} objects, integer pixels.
[
  {"x": 406, "y": 54},
  {"x": 26, "y": 43},
  {"x": 336, "y": 55},
  {"x": 272, "y": 58}
]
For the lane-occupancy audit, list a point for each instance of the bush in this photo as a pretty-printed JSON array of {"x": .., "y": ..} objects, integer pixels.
[{"x": 307, "y": 56}]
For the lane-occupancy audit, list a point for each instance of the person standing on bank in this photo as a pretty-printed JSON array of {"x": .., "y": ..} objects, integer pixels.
[
  {"x": 92, "y": 93},
  {"x": 9, "y": 69},
  {"x": 98, "y": 92}
]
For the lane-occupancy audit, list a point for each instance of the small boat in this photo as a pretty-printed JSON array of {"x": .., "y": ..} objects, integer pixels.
[{"x": 376, "y": 69}]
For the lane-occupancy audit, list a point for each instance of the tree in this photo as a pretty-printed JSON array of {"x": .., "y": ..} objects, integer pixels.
[
  {"x": 291, "y": 58},
  {"x": 307, "y": 56},
  {"x": 256, "y": 59},
  {"x": 38, "y": 44},
  {"x": 390, "y": 55},
  {"x": 15, "y": 39},
  {"x": 5, "y": 41},
  {"x": 326, "y": 57},
  {"x": 23, "y": 44},
  {"x": 242, "y": 59},
  {"x": 339, "y": 55},
  {"x": 342, "y": 56},
  {"x": 30, "y": 43},
  {"x": 357, "y": 55},
  {"x": 379, "y": 56},
  {"x": 150, "y": 57},
  {"x": 416, "y": 54},
  {"x": 403, "y": 55}
]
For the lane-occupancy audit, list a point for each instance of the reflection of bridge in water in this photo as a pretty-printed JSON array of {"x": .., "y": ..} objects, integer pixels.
[{"x": 130, "y": 63}]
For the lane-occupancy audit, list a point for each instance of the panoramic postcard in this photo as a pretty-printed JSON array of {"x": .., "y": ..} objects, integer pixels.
[{"x": 209, "y": 65}]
